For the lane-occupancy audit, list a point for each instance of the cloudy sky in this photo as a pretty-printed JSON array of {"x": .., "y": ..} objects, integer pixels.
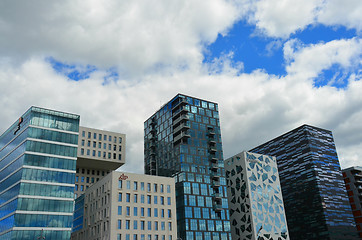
[{"x": 272, "y": 65}]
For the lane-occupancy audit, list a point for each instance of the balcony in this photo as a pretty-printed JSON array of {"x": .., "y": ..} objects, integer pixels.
[
  {"x": 182, "y": 102},
  {"x": 214, "y": 168},
  {"x": 211, "y": 142},
  {"x": 183, "y": 126},
  {"x": 182, "y": 110},
  {"x": 217, "y": 207},
  {"x": 183, "y": 135},
  {"x": 216, "y": 196},
  {"x": 210, "y": 134},
  {"x": 213, "y": 159},
  {"x": 180, "y": 118},
  {"x": 215, "y": 176},
  {"x": 215, "y": 184},
  {"x": 212, "y": 150},
  {"x": 153, "y": 145}
]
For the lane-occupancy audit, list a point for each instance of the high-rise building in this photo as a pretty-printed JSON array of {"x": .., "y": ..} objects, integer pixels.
[
  {"x": 353, "y": 180},
  {"x": 99, "y": 153},
  {"x": 255, "y": 198},
  {"x": 183, "y": 140},
  {"x": 127, "y": 206},
  {"x": 315, "y": 199},
  {"x": 38, "y": 156}
]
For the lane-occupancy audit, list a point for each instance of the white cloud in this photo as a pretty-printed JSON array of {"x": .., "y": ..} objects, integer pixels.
[
  {"x": 142, "y": 37},
  {"x": 135, "y": 36},
  {"x": 309, "y": 61},
  {"x": 281, "y": 18},
  {"x": 341, "y": 12}
]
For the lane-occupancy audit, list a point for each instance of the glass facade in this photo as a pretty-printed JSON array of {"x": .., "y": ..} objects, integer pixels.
[
  {"x": 315, "y": 199},
  {"x": 183, "y": 140},
  {"x": 37, "y": 171}
]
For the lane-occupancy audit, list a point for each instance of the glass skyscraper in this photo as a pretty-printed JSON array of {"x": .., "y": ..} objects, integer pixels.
[
  {"x": 183, "y": 140},
  {"x": 315, "y": 199},
  {"x": 37, "y": 171}
]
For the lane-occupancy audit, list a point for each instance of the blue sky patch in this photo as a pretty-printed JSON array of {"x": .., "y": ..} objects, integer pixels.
[
  {"x": 74, "y": 72},
  {"x": 261, "y": 52}
]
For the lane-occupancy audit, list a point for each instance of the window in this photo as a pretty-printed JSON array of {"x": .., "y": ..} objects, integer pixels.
[
  {"x": 155, "y": 187},
  {"x": 135, "y": 196},
  {"x": 128, "y": 184},
  {"x": 89, "y": 135},
  {"x": 119, "y": 196},
  {"x": 120, "y": 184},
  {"x": 120, "y": 148},
  {"x": 149, "y": 199},
  {"x": 104, "y": 145},
  {"x": 162, "y": 200},
  {"x": 119, "y": 224},
  {"x": 105, "y": 137},
  {"x": 128, "y": 197},
  {"x": 95, "y": 135},
  {"x": 162, "y": 213},
  {"x": 149, "y": 187},
  {"x": 94, "y": 144},
  {"x": 142, "y": 186},
  {"x": 82, "y": 179},
  {"x": 127, "y": 224},
  {"x": 83, "y": 133},
  {"x": 99, "y": 145},
  {"x": 100, "y": 137},
  {"x": 135, "y": 211},
  {"x": 94, "y": 153},
  {"x": 163, "y": 226},
  {"x": 82, "y": 151},
  {"x": 155, "y": 212},
  {"x": 88, "y": 143},
  {"x": 155, "y": 200},
  {"x": 168, "y": 200},
  {"x": 161, "y": 188},
  {"x": 142, "y": 212},
  {"x": 135, "y": 224},
  {"x": 156, "y": 226},
  {"x": 149, "y": 212},
  {"x": 169, "y": 213},
  {"x": 128, "y": 211},
  {"x": 119, "y": 210},
  {"x": 170, "y": 226},
  {"x": 119, "y": 140},
  {"x": 110, "y": 138},
  {"x": 135, "y": 185},
  {"x": 142, "y": 198},
  {"x": 81, "y": 188},
  {"x": 149, "y": 225},
  {"x": 142, "y": 225},
  {"x": 168, "y": 189},
  {"x": 82, "y": 142}
]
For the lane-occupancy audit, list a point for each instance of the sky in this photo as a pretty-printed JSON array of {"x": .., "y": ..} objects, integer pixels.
[{"x": 271, "y": 65}]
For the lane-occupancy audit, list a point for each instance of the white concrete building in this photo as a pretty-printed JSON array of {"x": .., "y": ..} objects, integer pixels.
[
  {"x": 255, "y": 198},
  {"x": 99, "y": 153},
  {"x": 127, "y": 206}
]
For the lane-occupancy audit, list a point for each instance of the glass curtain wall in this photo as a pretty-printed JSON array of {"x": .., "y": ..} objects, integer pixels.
[{"x": 37, "y": 171}]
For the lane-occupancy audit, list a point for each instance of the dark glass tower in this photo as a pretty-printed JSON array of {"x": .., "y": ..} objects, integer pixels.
[
  {"x": 183, "y": 140},
  {"x": 315, "y": 198},
  {"x": 38, "y": 156}
]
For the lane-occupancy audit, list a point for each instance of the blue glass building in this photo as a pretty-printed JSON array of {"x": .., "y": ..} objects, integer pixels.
[
  {"x": 314, "y": 195},
  {"x": 37, "y": 170},
  {"x": 183, "y": 140}
]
